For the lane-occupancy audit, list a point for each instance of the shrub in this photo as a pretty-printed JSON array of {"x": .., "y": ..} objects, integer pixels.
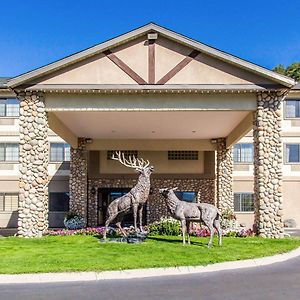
[
  {"x": 73, "y": 221},
  {"x": 228, "y": 219},
  {"x": 166, "y": 226}
]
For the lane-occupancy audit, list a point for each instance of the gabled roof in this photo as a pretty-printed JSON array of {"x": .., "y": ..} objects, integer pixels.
[
  {"x": 296, "y": 87},
  {"x": 4, "y": 81},
  {"x": 151, "y": 27}
]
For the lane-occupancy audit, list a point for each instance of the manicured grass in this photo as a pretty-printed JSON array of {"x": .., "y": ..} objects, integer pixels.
[{"x": 85, "y": 253}]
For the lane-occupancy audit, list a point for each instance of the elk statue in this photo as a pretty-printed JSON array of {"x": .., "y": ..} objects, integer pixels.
[
  {"x": 187, "y": 212},
  {"x": 135, "y": 199}
]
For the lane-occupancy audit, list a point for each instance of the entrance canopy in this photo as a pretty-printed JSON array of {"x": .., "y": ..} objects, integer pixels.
[{"x": 151, "y": 84}]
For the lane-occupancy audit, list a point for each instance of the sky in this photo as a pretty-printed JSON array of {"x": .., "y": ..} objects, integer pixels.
[{"x": 37, "y": 32}]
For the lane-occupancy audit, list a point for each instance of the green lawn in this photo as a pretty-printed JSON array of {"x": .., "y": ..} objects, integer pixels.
[{"x": 85, "y": 253}]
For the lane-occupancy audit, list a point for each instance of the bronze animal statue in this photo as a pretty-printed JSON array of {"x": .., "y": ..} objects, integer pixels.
[
  {"x": 187, "y": 212},
  {"x": 135, "y": 199}
]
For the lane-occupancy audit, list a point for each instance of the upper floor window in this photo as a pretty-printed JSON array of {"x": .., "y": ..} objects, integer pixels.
[
  {"x": 9, "y": 107},
  {"x": 243, "y": 153},
  {"x": 9, "y": 201},
  {"x": 243, "y": 202},
  {"x": 9, "y": 152},
  {"x": 292, "y": 108},
  {"x": 59, "y": 152},
  {"x": 292, "y": 153}
]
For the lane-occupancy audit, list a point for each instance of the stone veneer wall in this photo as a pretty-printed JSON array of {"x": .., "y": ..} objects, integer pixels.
[
  {"x": 224, "y": 176},
  {"x": 156, "y": 207},
  {"x": 33, "y": 159},
  {"x": 78, "y": 179},
  {"x": 268, "y": 165}
]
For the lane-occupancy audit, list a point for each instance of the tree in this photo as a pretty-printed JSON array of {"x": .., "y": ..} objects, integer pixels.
[
  {"x": 293, "y": 70},
  {"x": 279, "y": 69}
]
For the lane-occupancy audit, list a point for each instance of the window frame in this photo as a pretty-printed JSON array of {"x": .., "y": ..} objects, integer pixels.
[
  {"x": 5, "y": 108},
  {"x": 64, "y": 152},
  {"x": 243, "y": 162},
  {"x": 3, "y": 194},
  {"x": 286, "y": 162},
  {"x": 10, "y": 161},
  {"x": 285, "y": 109},
  {"x": 243, "y": 211}
]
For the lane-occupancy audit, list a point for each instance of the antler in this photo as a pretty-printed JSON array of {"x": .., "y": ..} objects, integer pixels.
[{"x": 131, "y": 162}]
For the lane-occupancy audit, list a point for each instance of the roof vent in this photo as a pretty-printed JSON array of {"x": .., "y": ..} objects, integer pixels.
[{"x": 152, "y": 36}]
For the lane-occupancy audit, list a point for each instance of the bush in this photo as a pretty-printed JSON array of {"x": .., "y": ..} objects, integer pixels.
[
  {"x": 73, "y": 221},
  {"x": 228, "y": 219},
  {"x": 166, "y": 226}
]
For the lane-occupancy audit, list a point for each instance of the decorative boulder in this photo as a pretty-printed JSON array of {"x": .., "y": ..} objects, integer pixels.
[
  {"x": 289, "y": 223},
  {"x": 73, "y": 221}
]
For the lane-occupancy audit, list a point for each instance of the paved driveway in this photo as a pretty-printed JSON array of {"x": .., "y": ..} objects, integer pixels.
[{"x": 280, "y": 281}]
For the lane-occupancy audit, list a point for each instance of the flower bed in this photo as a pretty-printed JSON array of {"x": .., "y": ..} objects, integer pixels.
[
  {"x": 93, "y": 231},
  {"x": 195, "y": 230}
]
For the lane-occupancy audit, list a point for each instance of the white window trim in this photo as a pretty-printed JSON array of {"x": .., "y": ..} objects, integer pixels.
[
  {"x": 244, "y": 212},
  {"x": 242, "y": 162},
  {"x": 64, "y": 154},
  {"x": 286, "y": 162},
  {"x": 284, "y": 109},
  {"x": 11, "y": 161}
]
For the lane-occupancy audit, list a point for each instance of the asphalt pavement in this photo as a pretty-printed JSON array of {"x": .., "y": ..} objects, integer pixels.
[{"x": 279, "y": 281}]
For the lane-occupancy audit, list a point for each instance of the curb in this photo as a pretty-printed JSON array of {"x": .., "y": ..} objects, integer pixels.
[{"x": 143, "y": 273}]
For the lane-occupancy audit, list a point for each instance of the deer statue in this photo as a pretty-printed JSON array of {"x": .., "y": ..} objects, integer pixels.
[
  {"x": 135, "y": 199},
  {"x": 187, "y": 212}
]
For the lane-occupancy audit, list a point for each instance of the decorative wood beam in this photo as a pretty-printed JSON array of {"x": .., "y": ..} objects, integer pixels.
[
  {"x": 240, "y": 130},
  {"x": 124, "y": 67},
  {"x": 178, "y": 67},
  {"x": 151, "y": 61}
]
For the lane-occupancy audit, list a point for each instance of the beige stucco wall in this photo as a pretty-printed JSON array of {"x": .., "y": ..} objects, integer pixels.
[
  {"x": 291, "y": 200},
  {"x": 159, "y": 159},
  {"x": 220, "y": 102},
  {"x": 202, "y": 70}
]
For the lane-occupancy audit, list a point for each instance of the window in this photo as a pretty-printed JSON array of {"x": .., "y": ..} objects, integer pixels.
[
  {"x": 9, "y": 152},
  {"x": 59, "y": 201},
  {"x": 292, "y": 108},
  {"x": 59, "y": 152},
  {"x": 9, "y": 202},
  {"x": 9, "y": 108},
  {"x": 243, "y": 202},
  {"x": 292, "y": 153},
  {"x": 127, "y": 153},
  {"x": 187, "y": 196},
  {"x": 182, "y": 155},
  {"x": 243, "y": 153}
]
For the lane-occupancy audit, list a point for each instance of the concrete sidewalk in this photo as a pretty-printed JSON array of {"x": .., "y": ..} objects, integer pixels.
[{"x": 143, "y": 273}]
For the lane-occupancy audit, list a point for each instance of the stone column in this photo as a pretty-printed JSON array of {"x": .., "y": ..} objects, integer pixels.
[
  {"x": 268, "y": 165},
  {"x": 33, "y": 159},
  {"x": 224, "y": 180},
  {"x": 78, "y": 179}
]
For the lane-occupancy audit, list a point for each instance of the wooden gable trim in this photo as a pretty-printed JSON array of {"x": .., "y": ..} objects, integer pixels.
[
  {"x": 124, "y": 67},
  {"x": 178, "y": 67}
]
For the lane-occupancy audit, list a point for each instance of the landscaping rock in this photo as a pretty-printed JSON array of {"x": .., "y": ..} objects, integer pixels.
[{"x": 289, "y": 223}]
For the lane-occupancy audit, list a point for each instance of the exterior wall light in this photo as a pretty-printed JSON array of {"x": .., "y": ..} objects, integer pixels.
[
  {"x": 89, "y": 141},
  {"x": 213, "y": 141}
]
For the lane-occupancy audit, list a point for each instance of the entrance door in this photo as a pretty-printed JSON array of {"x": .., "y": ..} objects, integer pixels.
[{"x": 105, "y": 197}]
